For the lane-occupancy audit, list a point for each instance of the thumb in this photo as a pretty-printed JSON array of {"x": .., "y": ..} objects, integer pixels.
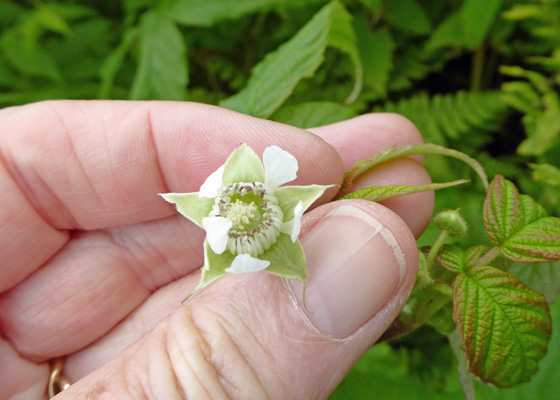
[{"x": 249, "y": 336}]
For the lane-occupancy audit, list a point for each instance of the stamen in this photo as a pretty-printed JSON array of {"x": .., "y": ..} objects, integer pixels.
[{"x": 255, "y": 216}]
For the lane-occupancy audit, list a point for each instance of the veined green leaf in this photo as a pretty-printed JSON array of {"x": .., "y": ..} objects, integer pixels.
[
  {"x": 379, "y": 193},
  {"x": 162, "y": 71},
  {"x": 274, "y": 78},
  {"x": 544, "y": 384},
  {"x": 312, "y": 114},
  {"x": 518, "y": 225},
  {"x": 456, "y": 259},
  {"x": 394, "y": 152},
  {"x": 504, "y": 325}
]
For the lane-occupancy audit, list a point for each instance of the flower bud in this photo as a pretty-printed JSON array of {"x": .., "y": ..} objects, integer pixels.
[{"x": 452, "y": 222}]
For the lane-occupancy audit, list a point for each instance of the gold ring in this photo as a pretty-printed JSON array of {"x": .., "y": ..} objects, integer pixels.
[{"x": 57, "y": 381}]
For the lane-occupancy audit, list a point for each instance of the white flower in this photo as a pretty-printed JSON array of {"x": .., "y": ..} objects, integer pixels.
[
  {"x": 252, "y": 222},
  {"x": 280, "y": 167}
]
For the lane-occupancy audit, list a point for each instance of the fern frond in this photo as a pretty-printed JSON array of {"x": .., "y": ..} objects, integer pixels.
[{"x": 452, "y": 115}]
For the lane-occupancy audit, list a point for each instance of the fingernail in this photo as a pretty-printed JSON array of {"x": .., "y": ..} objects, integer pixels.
[{"x": 354, "y": 267}]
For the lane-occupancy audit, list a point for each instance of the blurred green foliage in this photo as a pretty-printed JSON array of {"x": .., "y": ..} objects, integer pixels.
[{"x": 479, "y": 76}]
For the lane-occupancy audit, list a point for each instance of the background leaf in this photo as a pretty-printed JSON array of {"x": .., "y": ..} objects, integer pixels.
[
  {"x": 468, "y": 26},
  {"x": 162, "y": 70},
  {"x": 504, "y": 325},
  {"x": 312, "y": 114},
  {"x": 274, "y": 78},
  {"x": 408, "y": 15}
]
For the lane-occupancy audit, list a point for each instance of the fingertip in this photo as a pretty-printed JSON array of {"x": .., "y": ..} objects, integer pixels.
[{"x": 367, "y": 134}]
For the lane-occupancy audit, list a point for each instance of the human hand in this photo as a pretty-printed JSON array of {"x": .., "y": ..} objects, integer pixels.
[{"x": 94, "y": 264}]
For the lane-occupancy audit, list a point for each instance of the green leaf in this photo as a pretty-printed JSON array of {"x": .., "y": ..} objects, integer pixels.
[
  {"x": 342, "y": 37},
  {"x": 394, "y": 152},
  {"x": 546, "y": 173},
  {"x": 113, "y": 62},
  {"x": 373, "y": 5},
  {"x": 10, "y": 11},
  {"x": 456, "y": 259},
  {"x": 408, "y": 15},
  {"x": 546, "y": 130},
  {"x": 243, "y": 165},
  {"x": 544, "y": 385},
  {"x": 190, "y": 205},
  {"x": 274, "y": 78},
  {"x": 162, "y": 71},
  {"x": 519, "y": 226},
  {"x": 289, "y": 196},
  {"x": 208, "y": 12},
  {"x": 523, "y": 11},
  {"x": 214, "y": 266},
  {"x": 502, "y": 210},
  {"x": 544, "y": 278},
  {"x": 376, "y": 51},
  {"x": 313, "y": 114},
  {"x": 380, "y": 193},
  {"x": 287, "y": 259},
  {"x": 504, "y": 325},
  {"x": 468, "y": 26},
  {"x": 27, "y": 56}
]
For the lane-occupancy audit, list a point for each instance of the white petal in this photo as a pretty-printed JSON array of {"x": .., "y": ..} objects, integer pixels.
[
  {"x": 293, "y": 227},
  {"x": 279, "y": 166},
  {"x": 217, "y": 229},
  {"x": 246, "y": 263},
  {"x": 212, "y": 184}
]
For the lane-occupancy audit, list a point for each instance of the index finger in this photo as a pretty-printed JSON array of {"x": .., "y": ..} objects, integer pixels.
[{"x": 91, "y": 165}]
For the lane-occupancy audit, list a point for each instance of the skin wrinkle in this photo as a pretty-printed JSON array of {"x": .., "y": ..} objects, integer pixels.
[
  {"x": 153, "y": 144},
  {"x": 132, "y": 245},
  {"x": 222, "y": 323},
  {"x": 203, "y": 347},
  {"x": 80, "y": 164}
]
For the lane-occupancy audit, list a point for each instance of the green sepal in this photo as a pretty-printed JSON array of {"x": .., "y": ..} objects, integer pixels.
[
  {"x": 287, "y": 259},
  {"x": 190, "y": 205},
  {"x": 243, "y": 165},
  {"x": 379, "y": 193},
  {"x": 289, "y": 196},
  {"x": 214, "y": 266}
]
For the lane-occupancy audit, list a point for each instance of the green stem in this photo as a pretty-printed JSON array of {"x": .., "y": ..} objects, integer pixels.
[
  {"x": 440, "y": 241},
  {"x": 488, "y": 257},
  {"x": 465, "y": 377},
  {"x": 477, "y": 67}
]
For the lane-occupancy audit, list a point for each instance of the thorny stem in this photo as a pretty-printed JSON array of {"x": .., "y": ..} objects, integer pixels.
[
  {"x": 440, "y": 241},
  {"x": 488, "y": 257},
  {"x": 465, "y": 377}
]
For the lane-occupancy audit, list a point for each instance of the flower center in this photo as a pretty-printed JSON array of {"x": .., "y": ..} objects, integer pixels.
[{"x": 255, "y": 216}]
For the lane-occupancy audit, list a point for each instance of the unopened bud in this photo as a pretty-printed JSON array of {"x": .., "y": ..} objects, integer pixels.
[{"x": 452, "y": 222}]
